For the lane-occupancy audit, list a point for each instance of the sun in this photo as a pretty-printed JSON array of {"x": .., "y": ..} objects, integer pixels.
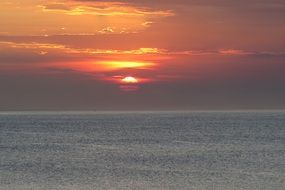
[{"x": 130, "y": 80}]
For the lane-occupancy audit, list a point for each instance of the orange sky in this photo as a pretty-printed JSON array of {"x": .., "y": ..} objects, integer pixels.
[{"x": 184, "y": 54}]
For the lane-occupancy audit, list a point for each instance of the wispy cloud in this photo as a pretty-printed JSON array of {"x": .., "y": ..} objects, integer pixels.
[
  {"x": 235, "y": 52},
  {"x": 45, "y": 48},
  {"x": 103, "y": 9},
  {"x": 227, "y": 52}
]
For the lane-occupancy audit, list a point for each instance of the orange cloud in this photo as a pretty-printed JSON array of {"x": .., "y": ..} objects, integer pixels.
[
  {"x": 102, "y": 9},
  {"x": 234, "y": 52},
  {"x": 63, "y": 17},
  {"x": 45, "y": 48}
]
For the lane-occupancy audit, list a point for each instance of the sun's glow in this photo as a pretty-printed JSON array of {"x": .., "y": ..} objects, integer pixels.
[
  {"x": 130, "y": 79},
  {"x": 125, "y": 64}
]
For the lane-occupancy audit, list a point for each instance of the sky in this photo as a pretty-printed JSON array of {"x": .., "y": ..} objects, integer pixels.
[{"x": 142, "y": 54}]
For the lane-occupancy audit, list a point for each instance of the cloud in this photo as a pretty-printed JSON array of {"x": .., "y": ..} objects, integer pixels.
[
  {"x": 46, "y": 48},
  {"x": 52, "y": 48},
  {"x": 107, "y": 30},
  {"x": 227, "y": 52},
  {"x": 207, "y": 3},
  {"x": 104, "y": 9},
  {"x": 63, "y": 17},
  {"x": 234, "y": 52},
  {"x": 56, "y": 6}
]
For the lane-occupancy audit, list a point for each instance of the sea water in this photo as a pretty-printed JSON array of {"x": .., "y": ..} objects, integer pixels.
[{"x": 142, "y": 150}]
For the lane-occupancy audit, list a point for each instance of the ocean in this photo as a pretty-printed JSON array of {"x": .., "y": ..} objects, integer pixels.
[{"x": 142, "y": 150}]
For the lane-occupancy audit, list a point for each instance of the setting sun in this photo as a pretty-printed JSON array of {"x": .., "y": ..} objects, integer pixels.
[{"x": 130, "y": 79}]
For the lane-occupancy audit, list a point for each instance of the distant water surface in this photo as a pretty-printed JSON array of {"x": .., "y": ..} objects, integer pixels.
[{"x": 142, "y": 151}]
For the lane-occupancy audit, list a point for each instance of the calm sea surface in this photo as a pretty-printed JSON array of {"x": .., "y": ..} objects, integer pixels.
[{"x": 147, "y": 150}]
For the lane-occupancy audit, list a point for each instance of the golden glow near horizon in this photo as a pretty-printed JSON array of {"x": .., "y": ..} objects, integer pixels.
[{"x": 113, "y": 65}]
